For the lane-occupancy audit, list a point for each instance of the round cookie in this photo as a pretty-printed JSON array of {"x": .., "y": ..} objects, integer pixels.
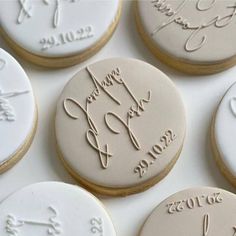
[
  {"x": 56, "y": 209},
  {"x": 197, "y": 212},
  {"x": 58, "y": 33},
  {"x": 223, "y": 135},
  {"x": 18, "y": 113},
  {"x": 120, "y": 126},
  {"x": 196, "y": 37}
]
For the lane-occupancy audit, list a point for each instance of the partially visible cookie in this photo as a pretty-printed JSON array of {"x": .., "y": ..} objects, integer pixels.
[
  {"x": 196, "y": 36},
  {"x": 223, "y": 135},
  {"x": 58, "y": 33},
  {"x": 120, "y": 126},
  {"x": 197, "y": 212},
  {"x": 18, "y": 113},
  {"x": 56, "y": 209}
]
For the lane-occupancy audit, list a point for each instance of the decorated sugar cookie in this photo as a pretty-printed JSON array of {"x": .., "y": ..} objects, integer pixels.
[
  {"x": 56, "y": 209},
  {"x": 58, "y": 33},
  {"x": 224, "y": 135},
  {"x": 197, "y": 212},
  {"x": 120, "y": 126},
  {"x": 194, "y": 36},
  {"x": 18, "y": 113}
]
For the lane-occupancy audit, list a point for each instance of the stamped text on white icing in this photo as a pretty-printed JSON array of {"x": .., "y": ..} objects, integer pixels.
[
  {"x": 66, "y": 38},
  {"x": 196, "y": 34},
  {"x": 7, "y": 111},
  {"x": 2, "y": 63},
  {"x": 137, "y": 108},
  {"x": 15, "y": 225},
  {"x": 96, "y": 225},
  {"x": 232, "y": 105},
  {"x": 27, "y": 9}
]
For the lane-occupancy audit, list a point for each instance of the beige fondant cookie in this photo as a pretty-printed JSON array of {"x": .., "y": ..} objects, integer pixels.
[
  {"x": 223, "y": 135},
  {"x": 18, "y": 113},
  {"x": 195, "y": 212},
  {"x": 196, "y": 36},
  {"x": 120, "y": 126},
  {"x": 58, "y": 33}
]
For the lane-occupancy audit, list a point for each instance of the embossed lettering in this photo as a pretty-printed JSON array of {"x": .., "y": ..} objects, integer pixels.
[
  {"x": 195, "y": 202},
  {"x": 166, "y": 140},
  {"x": 52, "y": 226},
  {"x": 174, "y": 17},
  {"x": 97, "y": 226},
  {"x": 2, "y": 64},
  {"x": 92, "y": 134},
  {"x": 204, "y": 5},
  {"x": 135, "y": 110},
  {"x": 66, "y": 38},
  {"x": 143, "y": 166},
  {"x": 26, "y": 9},
  {"x": 104, "y": 85},
  {"x": 234, "y": 228},
  {"x": 7, "y": 112},
  {"x": 232, "y": 104},
  {"x": 206, "y": 224}
]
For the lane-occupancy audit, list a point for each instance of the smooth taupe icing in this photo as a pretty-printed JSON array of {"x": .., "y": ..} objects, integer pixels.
[
  {"x": 196, "y": 31},
  {"x": 119, "y": 123},
  {"x": 195, "y": 212}
]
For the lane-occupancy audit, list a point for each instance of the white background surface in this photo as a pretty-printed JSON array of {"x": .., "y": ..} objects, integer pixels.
[{"x": 195, "y": 167}]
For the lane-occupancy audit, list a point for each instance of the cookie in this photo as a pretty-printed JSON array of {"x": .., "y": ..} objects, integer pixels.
[
  {"x": 58, "y": 33},
  {"x": 200, "y": 211},
  {"x": 53, "y": 208},
  {"x": 223, "y": 135},
  {"x": 18, "y": 113},
  {"x": 120, "y": 126},
  {"x": 196, "y": 37}
]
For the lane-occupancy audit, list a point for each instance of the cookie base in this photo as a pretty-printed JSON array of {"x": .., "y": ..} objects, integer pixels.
[
  {"x": 19, "y": 154},
  {"x": 61, "y": 62},
  {"x": 224, "y": 170},
  {"x": 177, "y": 63}
]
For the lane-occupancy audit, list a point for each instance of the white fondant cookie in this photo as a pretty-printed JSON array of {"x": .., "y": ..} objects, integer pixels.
[
  {"x": 120, "y": 126},
  {"x": 195, "y": 212},
  {"x": 224, "y": 134},
  {"x": 58, "y": 33},
  {"x": 196, "y": 36},
  {"x": 17, "y": 111},
  {"x": 56, "y": 209}
]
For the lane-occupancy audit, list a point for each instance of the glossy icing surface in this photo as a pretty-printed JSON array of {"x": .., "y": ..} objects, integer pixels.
[
  {"x": 196, "y": 31},
  {"x": 57, "y": 28},
  {"x": 119, "y": 123},
  {"x": 17, "y": 106},
  {"x": 199, "y": 211},
  {"x": 53, "y": 208},
  {"x": 225, "y": 129}
]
